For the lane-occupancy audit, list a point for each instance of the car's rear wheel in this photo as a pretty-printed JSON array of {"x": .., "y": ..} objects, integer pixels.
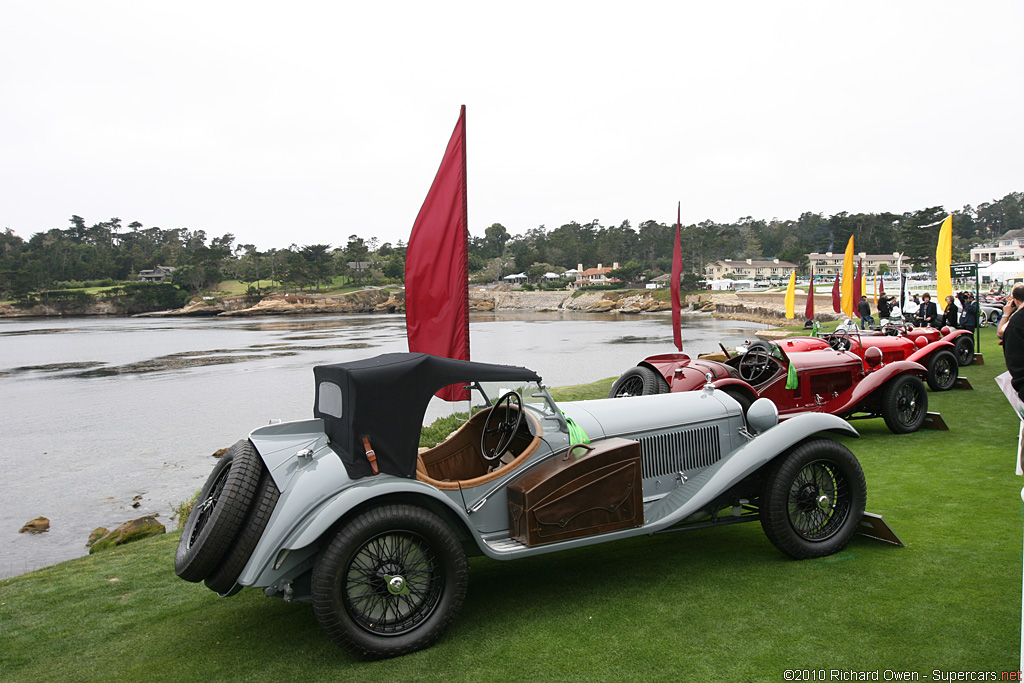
[
  {"x": 224, "y": 576},
  {"x": 813, "y": 499},
  {"x": 390, "y": 582},
  {"x": 638, "y": 381},
  {"x": 218, "y": 512},
  {"x": 904, "y": 404},
  {"x": 943, "y": 370},
  {"x": 964, "y": 349}
]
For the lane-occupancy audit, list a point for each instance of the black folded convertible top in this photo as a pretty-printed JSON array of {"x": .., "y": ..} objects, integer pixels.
[{"x": 385, "y": 399}]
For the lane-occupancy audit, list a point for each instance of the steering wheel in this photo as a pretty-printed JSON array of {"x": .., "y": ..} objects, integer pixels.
[
  {"x": 840, "y": 340},
  {"x": 755, "y": 361},
  {"x": 505, "y": 427}
]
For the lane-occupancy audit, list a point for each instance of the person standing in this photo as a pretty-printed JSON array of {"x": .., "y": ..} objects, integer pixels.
[
  {"x": 927, "y": 313},
  {"x": 969, "y": 318},
  {"x": 1011, "y": 336},
  {"x": 949, "y": 315},
  {"x": 864, "y": 311},
  {"x": 883, "y": 309}
]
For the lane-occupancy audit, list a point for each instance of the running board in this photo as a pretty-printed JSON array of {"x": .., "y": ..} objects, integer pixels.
[
  {"x": 873, "y": 526},
  {"x": 934, "y": 421}
]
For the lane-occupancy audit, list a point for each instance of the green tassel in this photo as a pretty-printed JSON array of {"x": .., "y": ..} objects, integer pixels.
[
  {"x": 791, "y": 380},
  {"x": 576, "y": 433}
]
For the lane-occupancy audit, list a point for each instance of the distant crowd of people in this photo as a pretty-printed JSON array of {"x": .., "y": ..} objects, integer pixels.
[{"x": 960, "y": 311}]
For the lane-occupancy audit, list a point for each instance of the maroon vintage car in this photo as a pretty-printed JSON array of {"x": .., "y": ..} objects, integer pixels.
[
  {"x": 937, "y": 356},
  {"x": 798, "y": 379}
]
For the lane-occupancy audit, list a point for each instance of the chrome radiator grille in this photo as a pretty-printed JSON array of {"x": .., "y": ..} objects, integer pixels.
[{"x": 680, "y": 451}]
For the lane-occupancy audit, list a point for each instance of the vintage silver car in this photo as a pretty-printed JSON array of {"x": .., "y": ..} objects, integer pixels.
[{"x": 346, "y": 511}]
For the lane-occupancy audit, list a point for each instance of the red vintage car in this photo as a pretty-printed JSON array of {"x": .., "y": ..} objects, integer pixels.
[
  {"x": 826, "y": 381},
  {"x": 938, "y": 356},
  {"x": 962, "y": 340}
]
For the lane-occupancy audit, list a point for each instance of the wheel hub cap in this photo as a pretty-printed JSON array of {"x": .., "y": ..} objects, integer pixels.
[{"x": 396, "y": 585}]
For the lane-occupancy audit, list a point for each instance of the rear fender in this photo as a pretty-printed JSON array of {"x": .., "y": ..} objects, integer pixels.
[
  {"x": 699, "y": 492},
  {"x": 923, "y": 354},
  {"x": 307, "y": 511},
  {"x": 737, "y": 385}
]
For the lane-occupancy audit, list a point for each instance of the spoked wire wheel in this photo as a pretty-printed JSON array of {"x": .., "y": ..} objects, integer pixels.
[
  {"x": 393, "y": 583},
  {"x": 819, "y": 501},
  {"x": 390, "y": 582},
  {"x": 638, "y": 381},
  {"x": 813, "y": 499},
  {"x": 904, "y": 404}
]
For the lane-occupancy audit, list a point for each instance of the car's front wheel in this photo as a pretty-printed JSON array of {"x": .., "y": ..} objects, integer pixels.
[
  {"x": 964, "y": 349},
  {"x": 390, "y": 582},
  {"x": 904, "y": 404},
  {"x": 943, "y": 370},
  {"x": 638, "y": 381},
  {"x": 813, "y": 499}
]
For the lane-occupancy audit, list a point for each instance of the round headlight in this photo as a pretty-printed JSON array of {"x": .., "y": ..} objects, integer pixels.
[{"x": 762, "y": 415}]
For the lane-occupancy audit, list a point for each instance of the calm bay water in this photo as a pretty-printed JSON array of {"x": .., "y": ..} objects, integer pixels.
[{"x": 99, "y": 414}]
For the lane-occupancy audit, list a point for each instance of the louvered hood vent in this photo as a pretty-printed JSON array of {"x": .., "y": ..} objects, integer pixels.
[{"x": 680, "y": 451}]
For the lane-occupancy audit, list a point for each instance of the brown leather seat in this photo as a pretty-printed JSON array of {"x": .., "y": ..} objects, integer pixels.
[{"x": 458, "y": 463}]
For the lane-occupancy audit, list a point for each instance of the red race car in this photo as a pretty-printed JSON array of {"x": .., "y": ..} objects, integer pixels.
[
  {"x": 796, "y": 379},
  {"x": 938, "y": 356},
  {"x": 962, "y": 340}
]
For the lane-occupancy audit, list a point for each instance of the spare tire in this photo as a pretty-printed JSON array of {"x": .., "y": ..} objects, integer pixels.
[
  {"x": 223, "y": 578},
  {"x": 218, "y": 512}
]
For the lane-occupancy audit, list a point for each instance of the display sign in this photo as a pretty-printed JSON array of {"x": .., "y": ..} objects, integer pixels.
[{"x": 963, "y": 270}]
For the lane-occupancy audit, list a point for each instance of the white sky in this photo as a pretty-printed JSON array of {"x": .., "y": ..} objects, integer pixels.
[{"x": 306, "y": 122}]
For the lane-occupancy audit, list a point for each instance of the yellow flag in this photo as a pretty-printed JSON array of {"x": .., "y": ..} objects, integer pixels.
[
  {"x": 943, "y": 256},
  {"x": 791, "y": 296},
  {"x": 846, "y": 303}
]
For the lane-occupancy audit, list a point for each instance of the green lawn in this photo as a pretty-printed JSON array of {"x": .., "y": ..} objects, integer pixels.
[{"x": 709, "y": 605}]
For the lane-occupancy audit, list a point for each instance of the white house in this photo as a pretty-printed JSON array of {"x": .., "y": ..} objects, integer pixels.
[
  {"x": 594, "y": 276},
  {"x": 1009, "y": 246}
]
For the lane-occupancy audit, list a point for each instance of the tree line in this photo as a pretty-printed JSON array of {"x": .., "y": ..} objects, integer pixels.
[{"x": 108, "y": 252}]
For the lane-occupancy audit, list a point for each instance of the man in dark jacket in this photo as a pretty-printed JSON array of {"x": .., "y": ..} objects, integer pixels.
[
  {"x": 864, "y": 311},
  {"x": 883, "y": 308},
  {"x": 1011, "y": 334},
  {"x": 927, "y": 313},
  {"x": 969, "y": 318}
]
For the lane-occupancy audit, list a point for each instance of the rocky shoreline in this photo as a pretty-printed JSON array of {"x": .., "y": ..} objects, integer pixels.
[{"x": 762, "y": 307}]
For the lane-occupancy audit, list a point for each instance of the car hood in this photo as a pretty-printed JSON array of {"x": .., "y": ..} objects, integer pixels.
[{"x": 608, "y": 417}]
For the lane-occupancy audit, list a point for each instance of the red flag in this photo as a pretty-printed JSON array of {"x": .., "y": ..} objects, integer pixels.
[
  {"x": 837, "y": 297},
  {"x": 809, "y": 308},
  {"x": 677, "y": 273},
  {"x": 858, "y": 284},
  {"x": 437, "y": 263}
]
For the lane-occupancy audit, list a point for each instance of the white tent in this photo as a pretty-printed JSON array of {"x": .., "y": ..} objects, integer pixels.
[{"x": 1000, "y": 271}]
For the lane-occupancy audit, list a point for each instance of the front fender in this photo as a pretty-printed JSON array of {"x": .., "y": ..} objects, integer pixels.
[
  {"x": 699, "y": 492},
  {"x": 875, "y": 380},
  {"x": 924, "y": 353},
  {"x": 952, "y": 336}
]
